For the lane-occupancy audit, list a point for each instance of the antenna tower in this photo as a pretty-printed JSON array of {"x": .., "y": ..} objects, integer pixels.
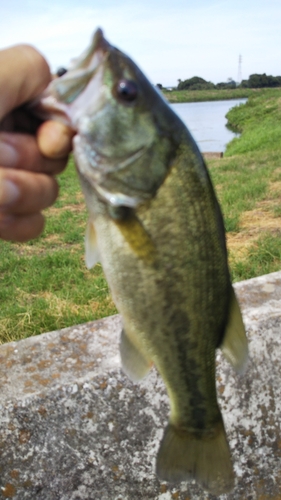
[{"x": 239, "y": 79}]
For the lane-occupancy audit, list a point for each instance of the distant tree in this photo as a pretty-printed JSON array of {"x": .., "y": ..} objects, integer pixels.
[
  {"x": 244, "y": 84},
  {"x": 159, "y": 85},
  {"x": 221, "y": 85},
  {"x": 203, "y": 86},
  {"x": 257, "y": 81},
  {"x": 195, "y": 83},
  {"x": 230, "y": 84}
]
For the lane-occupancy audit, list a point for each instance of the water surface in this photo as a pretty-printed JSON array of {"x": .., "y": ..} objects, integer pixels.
[{"x": 207, "y": 123}]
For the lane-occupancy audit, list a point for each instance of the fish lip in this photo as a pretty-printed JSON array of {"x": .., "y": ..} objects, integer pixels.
[
  {"x": 99, "y": 42},
  {"x": 84, "y": 61},
  {"x": 47, "y": 107},
  {"x": 53, "y": 103}
]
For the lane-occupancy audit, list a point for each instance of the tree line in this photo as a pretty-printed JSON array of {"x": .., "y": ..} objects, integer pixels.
[{"x": 255, "y": 81}]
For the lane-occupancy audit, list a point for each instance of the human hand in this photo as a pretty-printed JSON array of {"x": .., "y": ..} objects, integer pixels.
[{"x": 30, "y": 153}]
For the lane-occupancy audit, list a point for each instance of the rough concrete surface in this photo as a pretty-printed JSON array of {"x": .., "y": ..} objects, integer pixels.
[
  {"x": 211, "y": 155},
  {"x": 73, "y": 427}
]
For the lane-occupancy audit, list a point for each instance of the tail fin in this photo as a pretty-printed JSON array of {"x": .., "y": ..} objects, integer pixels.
[{"x": 184, "y": 456}]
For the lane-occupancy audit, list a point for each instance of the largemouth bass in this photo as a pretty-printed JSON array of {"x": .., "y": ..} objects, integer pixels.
[{"x": 156, "y": 227}]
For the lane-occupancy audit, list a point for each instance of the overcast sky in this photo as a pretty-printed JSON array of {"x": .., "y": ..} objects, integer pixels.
[{"x": 168, "y": 39}]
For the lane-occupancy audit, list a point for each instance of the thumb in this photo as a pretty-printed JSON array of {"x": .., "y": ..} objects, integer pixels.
[{"x": 24, "y": 75}]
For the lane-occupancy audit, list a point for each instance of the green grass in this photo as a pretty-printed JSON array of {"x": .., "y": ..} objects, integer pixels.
[
  {"x": 263, "y": 257},
  {"x": 44, "y": 284},
  {"x": 175, "y": 96},
  {"x": 248, "y": 183},
  {"x": 259, "y": 120},
  {"x": 241, "y": 183}
]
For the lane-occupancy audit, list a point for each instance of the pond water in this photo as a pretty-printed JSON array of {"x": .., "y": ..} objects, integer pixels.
[{"x": 207, "y": 123}]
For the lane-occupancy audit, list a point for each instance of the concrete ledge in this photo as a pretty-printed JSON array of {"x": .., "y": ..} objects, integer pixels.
[
  {"x": 73, "y": 427},
  {"x": 210, "y": 155}
]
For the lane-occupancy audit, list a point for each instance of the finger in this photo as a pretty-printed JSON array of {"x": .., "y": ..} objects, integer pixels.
[
  {"x": 23, "y": 192},
  {"x": 20, "y": 151},
  {"x": 24, "y": 75},
  {"x": 21, "y": 228},
  {"x": 55, "y": 139}
]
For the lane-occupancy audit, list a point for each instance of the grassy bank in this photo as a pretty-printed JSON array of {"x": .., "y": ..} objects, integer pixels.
[
  {"x": 248, "y": 184},
  {"x": 44, "y": 284},
  {"x": 175, "y": 96}
]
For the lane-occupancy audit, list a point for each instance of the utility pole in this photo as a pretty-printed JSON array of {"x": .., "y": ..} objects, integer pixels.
[{"x": 239, "y": 78}]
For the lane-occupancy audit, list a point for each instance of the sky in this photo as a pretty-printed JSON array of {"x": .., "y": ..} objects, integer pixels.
[{"x": 168, "y": 39}]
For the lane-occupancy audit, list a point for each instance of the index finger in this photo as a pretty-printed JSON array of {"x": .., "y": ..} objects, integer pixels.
[{"x": 24, "y": 75}]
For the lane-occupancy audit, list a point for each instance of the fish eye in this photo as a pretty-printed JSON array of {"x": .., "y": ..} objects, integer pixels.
[{"x": 127, "y": 90}]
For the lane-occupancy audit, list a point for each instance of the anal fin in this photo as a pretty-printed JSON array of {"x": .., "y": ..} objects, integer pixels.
[
  {"x": 134, "y": 363},
  {"x": 235, "y": 345},
  {"x": 205, "y": 457},
  {"x": 91, "y": 249}
]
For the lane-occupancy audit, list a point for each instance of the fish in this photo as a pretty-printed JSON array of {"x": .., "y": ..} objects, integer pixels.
[{"x": 157, "y": 228}]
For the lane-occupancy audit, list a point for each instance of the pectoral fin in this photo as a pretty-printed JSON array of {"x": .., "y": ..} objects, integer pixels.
[
  {"x": 235, "y": 345},
  {"x": 134, "y": 363},
  {"x": 91, "y": 249}
]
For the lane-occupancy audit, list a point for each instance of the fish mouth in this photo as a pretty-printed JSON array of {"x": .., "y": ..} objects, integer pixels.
[
  {"x": 61, "y": 98},
  {"x": 99, "y": 162},
  {"x": 114, "y": 163},
  {"x": 102, "y": 170},
  {"x": 86, "y": 60}
]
